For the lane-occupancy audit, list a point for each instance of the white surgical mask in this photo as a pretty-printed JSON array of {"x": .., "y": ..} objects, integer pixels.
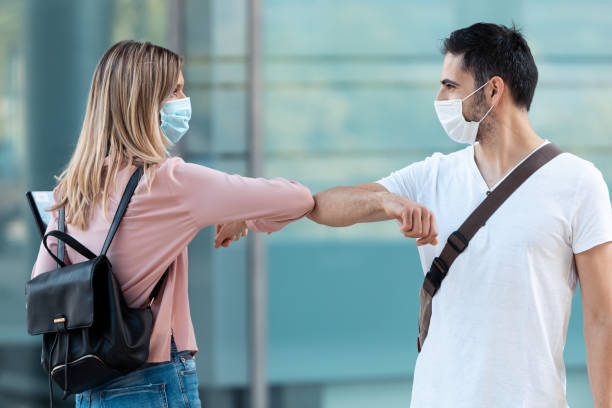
[
  {"x": 450, "y": 114},
  {"x": 175, "y": 117}
]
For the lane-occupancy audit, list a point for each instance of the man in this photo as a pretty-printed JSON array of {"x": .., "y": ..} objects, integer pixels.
[{"x": 500, "y": 317}]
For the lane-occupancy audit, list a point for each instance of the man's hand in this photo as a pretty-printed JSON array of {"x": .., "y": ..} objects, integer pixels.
[
  {"x": 232, "y": 231},
  {"x": 415, "y": 220}
]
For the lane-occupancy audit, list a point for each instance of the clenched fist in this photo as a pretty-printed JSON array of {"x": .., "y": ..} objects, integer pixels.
[
  {"x": 415, "y": 220},
  {"x": 231, "y": 231}
]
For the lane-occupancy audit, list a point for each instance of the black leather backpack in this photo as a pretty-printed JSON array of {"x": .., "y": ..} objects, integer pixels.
[{"x": 90, "y": 336}]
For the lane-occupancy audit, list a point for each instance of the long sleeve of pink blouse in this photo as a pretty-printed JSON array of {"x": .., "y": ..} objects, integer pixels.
[
  {"x": 266, "y": 205},
  {"x": 159, "y": 224}
]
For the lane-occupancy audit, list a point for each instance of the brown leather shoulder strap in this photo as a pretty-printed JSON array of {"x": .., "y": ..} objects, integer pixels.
[{"x": 459, "y": 240}]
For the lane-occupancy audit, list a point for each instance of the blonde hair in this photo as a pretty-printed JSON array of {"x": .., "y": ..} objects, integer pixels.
[{"x": 128, "y": 88}]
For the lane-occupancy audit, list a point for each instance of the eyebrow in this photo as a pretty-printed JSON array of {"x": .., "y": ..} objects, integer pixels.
[{"x": 448, "y": 81}]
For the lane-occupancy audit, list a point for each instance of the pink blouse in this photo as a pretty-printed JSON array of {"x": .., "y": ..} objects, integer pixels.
[{"x": 158, "y": 226}]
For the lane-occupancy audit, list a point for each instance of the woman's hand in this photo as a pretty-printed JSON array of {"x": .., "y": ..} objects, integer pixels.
[{"x": 232, "y": 231}]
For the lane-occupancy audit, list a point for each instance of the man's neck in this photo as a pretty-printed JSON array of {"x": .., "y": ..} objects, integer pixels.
[{"x": 498, "y": 153}]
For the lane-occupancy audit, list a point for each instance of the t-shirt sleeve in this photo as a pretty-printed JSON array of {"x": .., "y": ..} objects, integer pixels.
[
  {"x": 592, "y": 219},
  {"x": 408, "y": 181},
  {"x": 215, "y": 197}
]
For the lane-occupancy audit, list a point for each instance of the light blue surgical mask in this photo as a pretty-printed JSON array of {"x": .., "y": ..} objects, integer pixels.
[{"x": 175, "y": 117}]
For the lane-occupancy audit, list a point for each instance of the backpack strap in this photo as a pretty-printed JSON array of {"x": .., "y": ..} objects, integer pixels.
[
  {"x": 80, "y": 248},
  {"x": 61, "y": 225},
  {"x": 62, "y": 238},
  {"x": 459, "y": 240},
  {"x": 123, "y": 204}
]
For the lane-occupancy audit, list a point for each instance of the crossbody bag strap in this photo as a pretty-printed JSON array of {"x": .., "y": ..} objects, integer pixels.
[
  {"x": 459, "y": 240},
  {"x": 123, "y": 204}
]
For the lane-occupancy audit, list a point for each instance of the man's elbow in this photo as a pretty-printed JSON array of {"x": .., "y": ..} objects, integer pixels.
[
  {"x": 598, "y": 320},
  {"x": 318, "y": 213},
  {"x": 324, "y": 217}
]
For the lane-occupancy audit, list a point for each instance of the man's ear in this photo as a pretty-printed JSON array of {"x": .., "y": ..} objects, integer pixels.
[{"x": 496, "y": 89}]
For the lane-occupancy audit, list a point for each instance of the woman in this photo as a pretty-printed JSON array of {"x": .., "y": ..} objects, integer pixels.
[{"x": 136, "y": 109}]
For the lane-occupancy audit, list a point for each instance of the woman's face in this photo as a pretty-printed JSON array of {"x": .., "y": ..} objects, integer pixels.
[{"x": 178, "y": 90}]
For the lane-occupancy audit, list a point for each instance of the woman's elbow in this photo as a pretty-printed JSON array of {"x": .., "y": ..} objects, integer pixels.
[{"x": 305, "y": 201}]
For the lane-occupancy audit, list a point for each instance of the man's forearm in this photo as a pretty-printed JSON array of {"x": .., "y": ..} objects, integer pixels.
[
  {"x": 594, "y": 272},
  {"x": 343, "y": 206},
  {"x": 598, "y": 338}
]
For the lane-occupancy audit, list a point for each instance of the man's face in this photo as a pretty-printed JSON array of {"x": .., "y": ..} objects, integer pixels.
[{"x": 457, "y": 83}]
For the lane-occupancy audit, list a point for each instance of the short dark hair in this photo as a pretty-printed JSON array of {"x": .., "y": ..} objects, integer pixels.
[{"x": 491, "y": 49}]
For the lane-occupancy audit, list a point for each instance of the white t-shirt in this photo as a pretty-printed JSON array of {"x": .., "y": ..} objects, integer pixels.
[{"x": 500, "y": 318}]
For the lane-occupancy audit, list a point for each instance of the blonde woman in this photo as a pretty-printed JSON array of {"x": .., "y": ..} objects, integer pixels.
[{"x": 136, "y": 109}]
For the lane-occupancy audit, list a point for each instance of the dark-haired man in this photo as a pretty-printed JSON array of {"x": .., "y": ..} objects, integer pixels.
[{"x": 500, "y": 317}]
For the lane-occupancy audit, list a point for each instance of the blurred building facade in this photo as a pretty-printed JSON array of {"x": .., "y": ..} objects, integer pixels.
[{"x": 349, "y": 90}]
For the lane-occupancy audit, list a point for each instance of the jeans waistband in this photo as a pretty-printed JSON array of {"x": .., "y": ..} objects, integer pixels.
[{"x": 174, "y": 355}]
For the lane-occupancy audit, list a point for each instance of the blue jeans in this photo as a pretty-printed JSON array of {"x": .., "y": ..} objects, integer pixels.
[{"x": 165, "y": 385}]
